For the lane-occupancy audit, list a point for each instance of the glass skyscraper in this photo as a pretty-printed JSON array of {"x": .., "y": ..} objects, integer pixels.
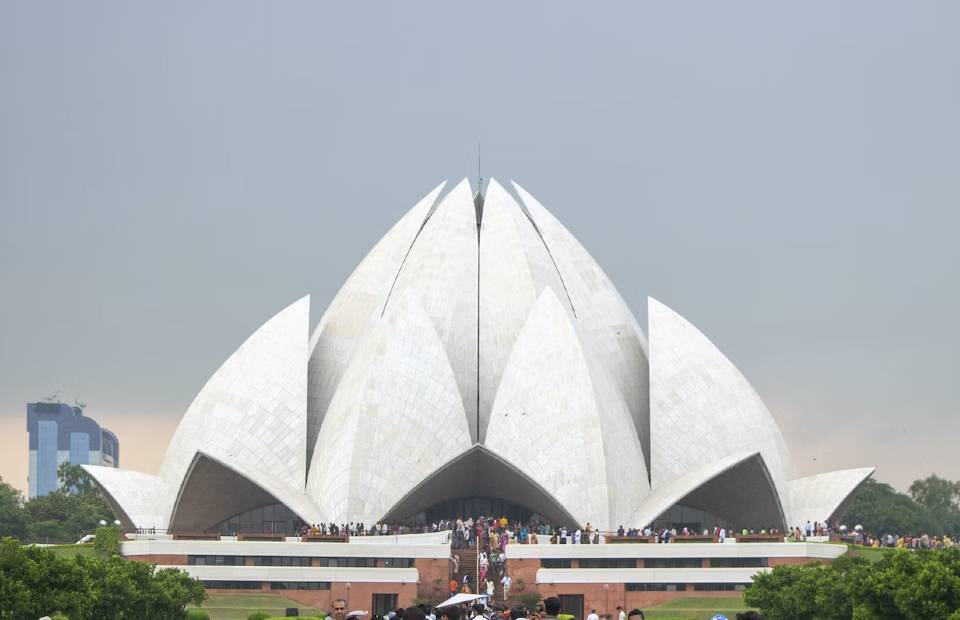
[{"x": 60, "y": 433}]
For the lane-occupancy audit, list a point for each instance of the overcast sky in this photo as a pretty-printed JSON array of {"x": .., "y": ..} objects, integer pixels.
[{"x": 784, "y": 176}]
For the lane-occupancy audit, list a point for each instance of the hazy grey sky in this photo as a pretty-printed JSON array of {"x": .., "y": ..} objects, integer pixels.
[{"x": 783, "y": 175}]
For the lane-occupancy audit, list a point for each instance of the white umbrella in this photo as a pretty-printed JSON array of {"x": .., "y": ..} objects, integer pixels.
[{"x": 461, "y": 597}]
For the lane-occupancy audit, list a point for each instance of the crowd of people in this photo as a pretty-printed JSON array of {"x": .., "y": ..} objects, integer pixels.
[
  {"x": 666, "y": 535},
  {"x": 550, "y": 608}
]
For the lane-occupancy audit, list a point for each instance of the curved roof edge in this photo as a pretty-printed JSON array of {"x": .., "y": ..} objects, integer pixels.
[
  {"x": 297, "y": 502},
  {"x": 823, "y": 497},
  {"x": 136, "y": 498},
  {"x": 463, "y": 475},
  {"x": 668, "y": 495}
]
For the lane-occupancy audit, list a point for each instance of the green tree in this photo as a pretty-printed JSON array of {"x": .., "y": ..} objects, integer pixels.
[
  {"x": 73, "y": 479},
  {"x": 35, "y": 582},
  {"x": 938, "y": 494},
  {"x": 12, "y": 518},
  {"x": 903, "y": 584},
  {"x": 882, "y": 510}
]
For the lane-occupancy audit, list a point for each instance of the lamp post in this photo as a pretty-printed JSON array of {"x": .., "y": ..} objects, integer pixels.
[{"x": 606, "y": 589}]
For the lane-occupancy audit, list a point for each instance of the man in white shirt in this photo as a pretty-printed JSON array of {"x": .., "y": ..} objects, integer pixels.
[
  {"x": 593, "y": 615},
  {"x": 621, "y": 615},
  {"x": 506, "y": 582}
]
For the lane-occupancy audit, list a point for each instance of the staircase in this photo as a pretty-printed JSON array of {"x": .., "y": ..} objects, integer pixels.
[{"x": 468, "y": 566}]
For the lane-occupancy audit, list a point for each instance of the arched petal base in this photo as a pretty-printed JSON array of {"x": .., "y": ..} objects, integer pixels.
[
  {"x": 823, "y": 497},
  {"x": 737, "y": 489},
  {"x": 479, "y": 472},
  {"x": 212, "y": 492},
  {"x": 133, "y": 496}
]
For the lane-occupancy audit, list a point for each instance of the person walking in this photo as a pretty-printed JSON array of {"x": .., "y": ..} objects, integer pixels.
[{"x": 506, "y": 582}]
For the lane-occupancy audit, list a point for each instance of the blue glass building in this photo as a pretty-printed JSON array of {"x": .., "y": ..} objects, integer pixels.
[{"x": 60, "y": 433}]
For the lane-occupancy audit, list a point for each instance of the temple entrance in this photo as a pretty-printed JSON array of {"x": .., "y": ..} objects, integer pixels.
[
  {"x": 476, "y": 483},
  {"x": 465, "y": 507}
]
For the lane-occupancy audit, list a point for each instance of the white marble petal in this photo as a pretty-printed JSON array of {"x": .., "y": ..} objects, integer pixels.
[
  {"x": 602, "y": 314},
  {"x": 702, "y": 409},
  {"x": 560, "y": 419},
  {"x": 139, "y": 496},
  {"x": 356, "y": 308},
  {"x": 395, "y": 419},
  {"x": 251, "y": 414},
  {"x": 514, "y": 269},
  {"x": 442, "y": 269},
  {"x": 817, "y": 498}
]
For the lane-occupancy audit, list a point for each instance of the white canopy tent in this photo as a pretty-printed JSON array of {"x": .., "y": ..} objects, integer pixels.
[{"x": 460, "y": 598}]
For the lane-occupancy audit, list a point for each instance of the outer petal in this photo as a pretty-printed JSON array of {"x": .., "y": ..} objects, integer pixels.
[
  {"x": 556, "y": 397},
  {"x": 823, "y": 497},
  {"x": 214, "y": 490},
  {"x": 136, "y": 498},
  {"x": 396, "y": 418},
  {"x": 514, "y": 268},
  {"x": 356, "y": 308},
  {"x": 701, "y": 408},
  {"x": 442, "y": 269},
  {"x": 736, "y": 488},
  {"x": 251, "y": 414},
  {"x": 601, "y": 312}
]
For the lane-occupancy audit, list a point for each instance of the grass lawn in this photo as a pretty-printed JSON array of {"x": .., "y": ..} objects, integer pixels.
[
  {"x": 69, "y": 551},
  {"x": 697, "y": 608},
  {"x": 239, "y": 606},
  {"x": 868, "y": 553}
]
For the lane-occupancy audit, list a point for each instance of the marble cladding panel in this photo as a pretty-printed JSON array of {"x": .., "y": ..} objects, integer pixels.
[
  {"x": 395, "y": 419},
  {"x": 442, "y": 269},
  {"x": 702, "y": 408},
  {"x": 602, "y": 314},
  {"x": 514, "y": 269},
  {"x": 549, "y": 421},
  {"x": 251, "y": 415},
  {"x": 356, "y": 308}
]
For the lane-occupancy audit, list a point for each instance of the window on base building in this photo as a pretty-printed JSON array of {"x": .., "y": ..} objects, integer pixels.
[{"x": 383, "y": 603}]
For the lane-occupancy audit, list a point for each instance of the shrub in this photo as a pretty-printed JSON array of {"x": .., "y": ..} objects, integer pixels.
[
  {"x": 529, "y": 598},
  {"x": 258, "y": 615},
  {"x": 107, "y": 542},
  {"x": 196, "y": 614}
]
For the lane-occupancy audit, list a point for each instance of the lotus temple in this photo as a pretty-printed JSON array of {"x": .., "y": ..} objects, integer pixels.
[{"x": 477, "y": 361}]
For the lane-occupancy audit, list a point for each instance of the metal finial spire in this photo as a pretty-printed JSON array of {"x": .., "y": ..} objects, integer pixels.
[{"x": 479, "y": 173}]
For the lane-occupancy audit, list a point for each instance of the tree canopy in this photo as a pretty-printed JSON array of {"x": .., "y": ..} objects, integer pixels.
[
  {"x": 35, "y": 582},
  {"x": 62, "y": 516},
  {"x": 881, "y": 510},
  {"x": 913, "y": 585}
]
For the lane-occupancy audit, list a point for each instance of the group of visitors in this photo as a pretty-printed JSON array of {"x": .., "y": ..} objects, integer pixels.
[
  {"x": 549, "y": 608},
  {"x": 497, "y": 533},
  {"x": 893, "y": 541},
  {"x": 666, "y": 535}
]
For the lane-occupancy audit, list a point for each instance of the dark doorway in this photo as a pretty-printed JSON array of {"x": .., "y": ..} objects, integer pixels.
[{"x": 572, "y": 604}]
